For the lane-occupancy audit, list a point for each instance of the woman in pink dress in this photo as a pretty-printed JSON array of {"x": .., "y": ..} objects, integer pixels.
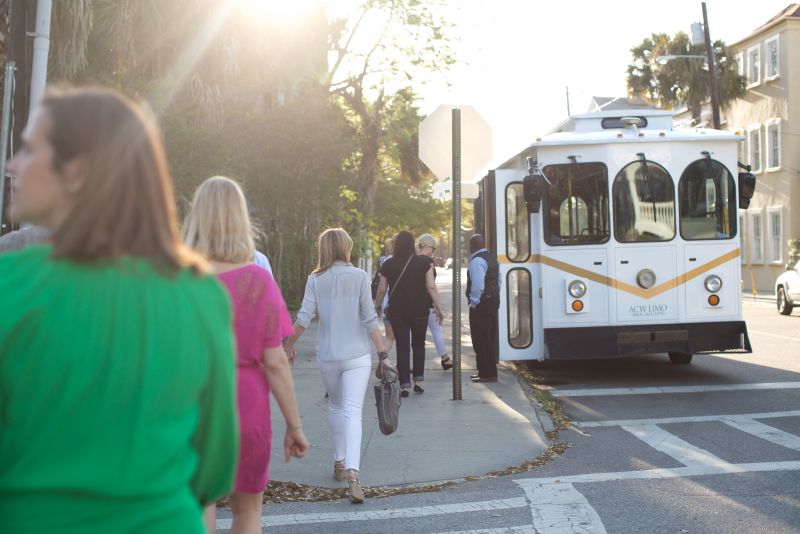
[{"x": 218, "y": 226}]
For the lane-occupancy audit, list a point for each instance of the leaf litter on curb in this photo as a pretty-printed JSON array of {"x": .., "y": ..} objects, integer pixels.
[{"x": 279, "y": 492}]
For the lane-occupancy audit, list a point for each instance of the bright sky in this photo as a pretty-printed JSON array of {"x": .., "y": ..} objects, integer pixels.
[{"x": 519, "y": 55}]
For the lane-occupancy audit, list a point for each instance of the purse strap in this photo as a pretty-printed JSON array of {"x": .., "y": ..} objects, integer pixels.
[{"x": 389, "y": 299}]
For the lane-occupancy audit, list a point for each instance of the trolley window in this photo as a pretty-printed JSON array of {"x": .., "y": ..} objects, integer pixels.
[
  {"x": 520, "y": 320},
  {"x": 644, "y": 203},
  {"x": 518, "y": 240},
  {"x": 707, "y": 200},
  {"x": 576, "y": 204}
]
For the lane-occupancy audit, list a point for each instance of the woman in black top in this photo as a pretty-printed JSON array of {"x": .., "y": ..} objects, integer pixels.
[{"x": 409, "y": 279}]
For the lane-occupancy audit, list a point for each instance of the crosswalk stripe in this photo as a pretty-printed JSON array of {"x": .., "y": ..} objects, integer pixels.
[
  {"x": 687, "y": 419},
  {"x": 668, "y": 390},
  {"x": 672, "y": 445},
  {"x": 561, "y": 509},
  {"x": 522, "y": 529},
  {"x": 396, "y": 513},
  {"x": 765, "y": 432}
]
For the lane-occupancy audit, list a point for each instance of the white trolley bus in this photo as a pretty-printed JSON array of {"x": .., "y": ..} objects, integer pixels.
[{"x": 617, "y": 237}]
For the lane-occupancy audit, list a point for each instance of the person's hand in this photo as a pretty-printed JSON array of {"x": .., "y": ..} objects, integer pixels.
[
  {"x": 378, "y": 310},
  {"x": 295, "y": 444},
  {"x": 439, "y": 316},
  {"x": 291, "y": 353}
]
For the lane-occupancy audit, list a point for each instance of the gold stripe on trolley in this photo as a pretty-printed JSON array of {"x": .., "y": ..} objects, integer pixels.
[{"x": 624, "y": 286}]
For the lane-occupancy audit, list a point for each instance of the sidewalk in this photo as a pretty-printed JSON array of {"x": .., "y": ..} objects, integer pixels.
[{"x": 493, "y": 428}]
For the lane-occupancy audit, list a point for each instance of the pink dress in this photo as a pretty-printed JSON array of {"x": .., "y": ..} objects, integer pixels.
[{"x": 260, "y": 321}]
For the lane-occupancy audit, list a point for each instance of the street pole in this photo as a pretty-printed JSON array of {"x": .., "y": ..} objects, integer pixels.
[
  {"x": 5, "y": 133},
  {"x": 456, "y": 254},
  {"x": 41, "y": 47},
  {"x": 712, "y": 71}
]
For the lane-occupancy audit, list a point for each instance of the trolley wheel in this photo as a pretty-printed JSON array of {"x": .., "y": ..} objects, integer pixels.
[
  {"x": 784, "y": 306},
  {"x": 680, "y": 358}
]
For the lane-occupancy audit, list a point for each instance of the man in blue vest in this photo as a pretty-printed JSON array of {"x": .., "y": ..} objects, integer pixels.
[{"x": 483, "y": 294}]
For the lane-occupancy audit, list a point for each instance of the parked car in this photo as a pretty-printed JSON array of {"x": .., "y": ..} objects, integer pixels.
[
  {"x": 448, "y": 264},
  {"x": 787, "y": 288}
]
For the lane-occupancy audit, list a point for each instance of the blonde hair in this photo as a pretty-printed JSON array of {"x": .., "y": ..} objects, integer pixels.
[
  {"x": 334, "y": 245},
  {"x": 218, "y": 224}
]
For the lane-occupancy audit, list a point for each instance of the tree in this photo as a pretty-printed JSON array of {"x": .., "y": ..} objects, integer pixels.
[
  {"x": 681, "y": 81},
  {"x": 369, "y": 65}
]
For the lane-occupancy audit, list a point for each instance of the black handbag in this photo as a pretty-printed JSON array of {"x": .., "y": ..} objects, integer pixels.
[{"x": 387, "y": 399}]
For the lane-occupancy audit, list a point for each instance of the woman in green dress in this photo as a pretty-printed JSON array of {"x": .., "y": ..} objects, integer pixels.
[{"x": 117, "y": 404}]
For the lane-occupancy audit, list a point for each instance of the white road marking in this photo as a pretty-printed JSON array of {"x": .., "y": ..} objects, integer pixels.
[
  {"x": 770, "y": 334},
  {"x": 561, "y": 509},
  {"x": 670, "y": 444},
  {"x": 396, "y": 513},
  {"x": 765, "y": 432},
  {"x": 522, "y": 529},
  {"x": 665, "y": 473},
  {"x": 600, "y": 392},
  {"x": 687, "y": 419}
]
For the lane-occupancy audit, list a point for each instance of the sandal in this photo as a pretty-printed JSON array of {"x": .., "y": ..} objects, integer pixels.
[
  {"x": 356, "y": 493},
  {"x": 418, "y": 389},
  {"x": 447, "y": 364},
  {"x": 338, "y": 470},
  {"x": 404, "y": 393}
]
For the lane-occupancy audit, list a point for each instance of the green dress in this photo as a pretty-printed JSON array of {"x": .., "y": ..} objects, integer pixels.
[{"x": 117, "y": 402}]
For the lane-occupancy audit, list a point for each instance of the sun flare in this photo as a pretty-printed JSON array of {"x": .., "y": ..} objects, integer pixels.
[{"x": 283, "y": 10}]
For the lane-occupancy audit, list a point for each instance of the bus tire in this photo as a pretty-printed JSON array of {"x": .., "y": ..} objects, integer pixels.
[
  {"x": 784, "y": 306},
  {"x": 680, "y": 358}
]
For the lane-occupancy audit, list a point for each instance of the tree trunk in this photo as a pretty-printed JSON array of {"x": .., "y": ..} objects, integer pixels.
[{"x": 697, "y": 113}]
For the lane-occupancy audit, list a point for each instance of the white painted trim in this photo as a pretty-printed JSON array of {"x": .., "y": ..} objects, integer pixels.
[
  {"x": 750, "y": 159},
  {"x": 768, "y": 146},
  {"x": 777, "y": 259},
  {"x": 372, "y": 515},
  {"x": 671, "y": 389},
  {"x": 757, "y": 49},
  {"x": 687, "y": 419},
  {"x": 767, "y": 76},
  {"x": 740, "y": 64},
  {"x": 753, "y": 214}
]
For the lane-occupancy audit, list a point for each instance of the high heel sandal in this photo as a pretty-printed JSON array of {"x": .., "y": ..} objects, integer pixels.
[
  {"x": 356, "y": 493},
  {"x": 338, "y": 470},
  {"x": 447, "y": 363}
]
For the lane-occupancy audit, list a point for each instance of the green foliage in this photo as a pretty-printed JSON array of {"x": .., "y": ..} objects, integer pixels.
[
  {"x": 681, "y": 81},
  {"x": 313, "y": 145}
]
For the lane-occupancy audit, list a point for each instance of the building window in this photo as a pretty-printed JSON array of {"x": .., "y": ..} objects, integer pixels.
[
  {"x": 775, "y": 222},
  {"x": 753, "y": 66},
  {"x": 756, "y": 246},
  {"x": 772, "y": 58},
  {"x": 740, "y": 64},
  {"x": 773, "y": 143},
  {"x": 741, "y": 149},
  {"x": 754, "y": 146}
]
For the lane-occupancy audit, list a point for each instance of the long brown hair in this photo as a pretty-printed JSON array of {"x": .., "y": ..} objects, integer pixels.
[{"x": 125, "y": 204}]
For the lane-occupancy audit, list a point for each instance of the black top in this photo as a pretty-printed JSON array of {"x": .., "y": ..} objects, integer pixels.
[
  {"x": 433, "y": 266},
  {"x": 410, "y": 297}
]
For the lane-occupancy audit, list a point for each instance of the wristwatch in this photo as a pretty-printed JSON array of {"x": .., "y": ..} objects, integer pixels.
[{"x": 383, "y": 356}]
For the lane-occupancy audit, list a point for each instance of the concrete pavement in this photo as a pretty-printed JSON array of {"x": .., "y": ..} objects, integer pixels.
[{"x": 495, "y": 426}]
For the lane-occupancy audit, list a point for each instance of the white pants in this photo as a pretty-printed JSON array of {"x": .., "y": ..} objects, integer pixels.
[
  {"x": 436, "y": 332},
  {"x": 346, "y": 382}
]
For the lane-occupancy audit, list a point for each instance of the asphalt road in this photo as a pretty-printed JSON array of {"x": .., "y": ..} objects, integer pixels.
[{"x": 712, "y": 447}]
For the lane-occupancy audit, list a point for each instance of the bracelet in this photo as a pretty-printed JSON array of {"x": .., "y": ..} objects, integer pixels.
[
  {"x": 383, "y": 355},
  {"x": 294, "y": 428}
]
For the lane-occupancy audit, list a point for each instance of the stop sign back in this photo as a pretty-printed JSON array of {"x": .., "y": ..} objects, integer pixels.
[{"x": 436, "y": 142}]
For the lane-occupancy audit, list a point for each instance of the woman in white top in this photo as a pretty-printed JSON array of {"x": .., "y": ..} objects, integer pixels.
[{"x": 341, "y": 295}]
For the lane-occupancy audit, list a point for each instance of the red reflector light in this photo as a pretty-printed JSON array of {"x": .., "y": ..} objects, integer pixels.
[{"x": 577, "y": 305}]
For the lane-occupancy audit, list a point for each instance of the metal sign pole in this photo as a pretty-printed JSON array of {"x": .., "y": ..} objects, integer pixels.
[
  {"x": 5, "y": 133},
  {"x": 456, "y": 254}
]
